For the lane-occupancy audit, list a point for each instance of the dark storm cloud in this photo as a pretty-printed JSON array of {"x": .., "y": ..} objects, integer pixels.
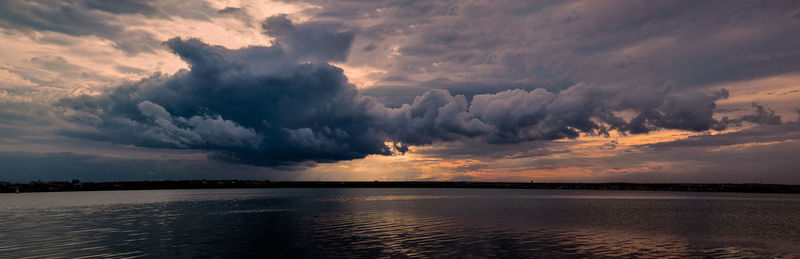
[
  {"x": 315, "y": 41},
  {"x": 254, "y": 105},
  {"x": 269, "y": 106}
]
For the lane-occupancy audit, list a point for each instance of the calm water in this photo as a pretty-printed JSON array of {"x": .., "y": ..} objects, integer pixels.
[{"x": 398, "y": 223}]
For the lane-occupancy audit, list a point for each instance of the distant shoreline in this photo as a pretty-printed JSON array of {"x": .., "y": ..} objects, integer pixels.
[{"x": 76, "y": 185}]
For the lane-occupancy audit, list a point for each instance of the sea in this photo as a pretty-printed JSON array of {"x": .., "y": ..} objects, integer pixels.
[{"x": 398, "y": 223}]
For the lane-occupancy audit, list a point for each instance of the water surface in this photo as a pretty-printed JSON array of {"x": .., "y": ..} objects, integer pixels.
[{"x": 398, "y": 223}]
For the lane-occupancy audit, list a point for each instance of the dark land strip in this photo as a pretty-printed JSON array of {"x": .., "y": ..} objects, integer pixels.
[{"x": 76, "y": 185}]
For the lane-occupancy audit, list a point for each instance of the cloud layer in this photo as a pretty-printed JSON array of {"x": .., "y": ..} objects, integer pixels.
[
  {"x": 98, "y": 18},
  {"x": 269, "y": 106}
]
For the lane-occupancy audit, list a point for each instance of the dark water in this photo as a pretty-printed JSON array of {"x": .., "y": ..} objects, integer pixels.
[{"x": 399, "y": 223}]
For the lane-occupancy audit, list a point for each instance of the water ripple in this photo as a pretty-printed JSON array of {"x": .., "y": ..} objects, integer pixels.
[{"x": 400, "y": 224}]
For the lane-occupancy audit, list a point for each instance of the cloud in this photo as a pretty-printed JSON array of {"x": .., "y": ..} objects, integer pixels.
[
  {"x": 482, "y": 47},
  {"x": 123, "y": 6},
  {"x": 763, "y": 133},
  {"x": 99, "y": 18},
  {"x": 760, "y": 116},
  {"x": 238, "y": 13},
  {"x": 255, "y": 105},
  {"x": 74, "y": 19},
  {"x": 763, "y": 116},
  {"x": 268, "y": 106},
  {"x": 161, "y": 9},
  {"x": 22, "y": 167},
  {"x": 513, "y": 116},
  {"x": 313, "y": 40},
  {"x": 196, "y": 131}
]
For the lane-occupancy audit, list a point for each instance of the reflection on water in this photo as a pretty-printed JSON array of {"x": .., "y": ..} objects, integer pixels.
[{"x": 398, "y": 223}]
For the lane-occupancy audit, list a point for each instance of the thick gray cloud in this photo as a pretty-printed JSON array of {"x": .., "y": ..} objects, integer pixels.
[
  {"x": 254, "y": 105},
  {"x": 518, "y": 115},
  {"x": 314, "y": 41},
  {"x": 268, "y": 106}
]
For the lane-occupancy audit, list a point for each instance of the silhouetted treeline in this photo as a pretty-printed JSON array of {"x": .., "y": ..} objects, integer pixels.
[{"x": 77, "y": 185}]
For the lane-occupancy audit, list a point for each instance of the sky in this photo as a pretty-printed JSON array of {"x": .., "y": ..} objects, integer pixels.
[{"x": 544, "y": 91}]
